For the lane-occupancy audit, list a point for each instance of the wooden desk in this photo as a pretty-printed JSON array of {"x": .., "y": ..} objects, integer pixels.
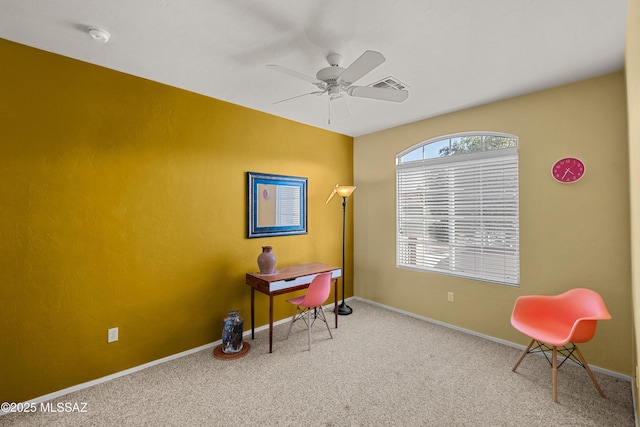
[{"x": 285, "y": 280}]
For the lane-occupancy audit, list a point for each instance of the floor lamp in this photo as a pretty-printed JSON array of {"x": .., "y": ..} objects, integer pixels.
[{"x": 343, "y": 191}]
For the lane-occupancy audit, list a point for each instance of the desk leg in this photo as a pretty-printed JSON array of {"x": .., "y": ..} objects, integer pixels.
[
  {"x": 335, "y": 298},
  {"x": 270, "y": 323},
  {"x": 252, "y": 312}
]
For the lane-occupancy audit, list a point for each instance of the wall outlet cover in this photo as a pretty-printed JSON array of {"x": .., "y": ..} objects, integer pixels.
[{"x": 112, "y": 335}]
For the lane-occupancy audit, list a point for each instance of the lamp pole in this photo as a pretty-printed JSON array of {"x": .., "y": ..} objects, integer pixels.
[
  {"x": 343, "y": 191},
  {"x": 343, "y": 308}
]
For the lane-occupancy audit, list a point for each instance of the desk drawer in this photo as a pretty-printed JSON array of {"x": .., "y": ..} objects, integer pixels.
[{"x": 302, "y": 280}]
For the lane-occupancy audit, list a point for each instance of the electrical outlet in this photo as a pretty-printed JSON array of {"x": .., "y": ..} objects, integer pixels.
[
  {"x": 450, "y": 296},
  {"x": 112, "y": 335}
]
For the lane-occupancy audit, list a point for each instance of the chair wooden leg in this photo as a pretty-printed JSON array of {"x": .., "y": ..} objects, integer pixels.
[
  {"x": 293, "y": 319},
  {"x": 586, "y": 366},
  {"x": 524, "y": 353},
  {"x": 324, "y": 316},
  {"x": 309, "y": 321},
  {"x": 309, "y": 328},
  {"x": 555, "y": 373}
]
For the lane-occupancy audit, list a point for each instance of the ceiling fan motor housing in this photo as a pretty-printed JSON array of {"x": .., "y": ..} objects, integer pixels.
[{"x": 330, "y": 75}]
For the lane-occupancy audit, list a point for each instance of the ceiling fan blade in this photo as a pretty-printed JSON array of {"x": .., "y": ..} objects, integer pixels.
[
  {"x": 317, "y": 92},
  {"x": 383, "y": 94},
  {"x": 295, "y": 74},
  {"x": 369, "y": 60}
]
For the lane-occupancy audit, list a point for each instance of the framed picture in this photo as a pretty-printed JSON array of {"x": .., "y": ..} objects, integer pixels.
[{"x": 276, "y": 205}]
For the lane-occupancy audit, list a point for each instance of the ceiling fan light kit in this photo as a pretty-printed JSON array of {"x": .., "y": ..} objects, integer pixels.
[{"x": 337, "y": 81}]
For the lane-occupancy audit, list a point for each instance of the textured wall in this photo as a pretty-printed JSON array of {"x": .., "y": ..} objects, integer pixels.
[
  {"x": 573, "y": 235},
  {"x": 632, "y": 69},
  {"x": 124, "y": 204}
]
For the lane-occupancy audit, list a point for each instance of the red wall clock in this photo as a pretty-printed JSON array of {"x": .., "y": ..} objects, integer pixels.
[{"x": 568, "y": 170}]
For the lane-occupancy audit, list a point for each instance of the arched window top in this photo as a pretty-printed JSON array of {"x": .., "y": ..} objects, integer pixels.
[{"x": 457, "y": 144}]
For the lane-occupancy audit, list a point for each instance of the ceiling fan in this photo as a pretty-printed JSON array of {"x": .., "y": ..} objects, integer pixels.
[{"x": 338, "y": 81}]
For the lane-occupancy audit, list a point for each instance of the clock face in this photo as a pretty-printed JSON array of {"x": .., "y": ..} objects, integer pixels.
[{"x": 568, "y": 170}]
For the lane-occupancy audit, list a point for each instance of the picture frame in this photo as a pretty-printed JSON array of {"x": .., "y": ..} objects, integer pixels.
[{"x": 276, "y": 205}]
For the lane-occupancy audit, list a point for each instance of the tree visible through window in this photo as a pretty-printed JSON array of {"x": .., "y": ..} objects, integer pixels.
[{"x": 457, "y": 207}]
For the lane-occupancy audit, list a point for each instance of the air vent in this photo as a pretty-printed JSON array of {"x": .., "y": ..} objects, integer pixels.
[{"x": 389, "y": 83}]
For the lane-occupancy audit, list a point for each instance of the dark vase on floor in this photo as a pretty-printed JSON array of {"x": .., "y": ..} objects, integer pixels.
[{"x": 232, "y": 328}]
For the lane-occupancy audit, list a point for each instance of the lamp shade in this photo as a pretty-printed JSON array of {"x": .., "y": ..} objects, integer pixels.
[{"x": 345, "y": 190}]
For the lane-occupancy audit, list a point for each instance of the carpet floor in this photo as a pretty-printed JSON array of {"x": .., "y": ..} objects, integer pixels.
[{"x": 382, "y": 368}]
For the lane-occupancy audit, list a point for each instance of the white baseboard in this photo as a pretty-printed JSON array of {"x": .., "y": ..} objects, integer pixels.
[
  {"x": 487, "y": 337},
  {"x": 115, "y": 375}
]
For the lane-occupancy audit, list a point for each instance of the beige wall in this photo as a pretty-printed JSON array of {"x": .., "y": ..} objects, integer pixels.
[
  {"x": 632, "y": 70},
  {"x": 570, "y": 235}
]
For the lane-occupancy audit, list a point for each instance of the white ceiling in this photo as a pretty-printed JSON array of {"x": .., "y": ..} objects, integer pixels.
[{"x": 452, "y": 54}]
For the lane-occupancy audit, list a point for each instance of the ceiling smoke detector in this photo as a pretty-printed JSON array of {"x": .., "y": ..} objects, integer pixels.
[{"x": 99, "y": 34}]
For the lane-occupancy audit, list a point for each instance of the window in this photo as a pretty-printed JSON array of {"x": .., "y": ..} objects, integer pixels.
[{"x": 457, "y": 207}]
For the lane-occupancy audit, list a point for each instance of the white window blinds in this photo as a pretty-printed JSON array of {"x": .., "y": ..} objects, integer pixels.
[{"x": 458, "y": 215}]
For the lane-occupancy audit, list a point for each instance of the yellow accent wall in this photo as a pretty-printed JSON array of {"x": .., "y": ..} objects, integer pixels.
[
  {"x": 123, "y": 204},
  {"x": 574, "y": 235},
  {"x": 632, "y": 71}
]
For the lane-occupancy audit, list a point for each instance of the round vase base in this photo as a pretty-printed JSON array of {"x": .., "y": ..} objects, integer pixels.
[{"x": 219, "y": 354}]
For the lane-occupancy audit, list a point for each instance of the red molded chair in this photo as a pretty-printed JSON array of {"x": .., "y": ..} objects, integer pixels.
[
  {"x": 559, "y": 321},
  {"x": 309, "y": 306}
]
